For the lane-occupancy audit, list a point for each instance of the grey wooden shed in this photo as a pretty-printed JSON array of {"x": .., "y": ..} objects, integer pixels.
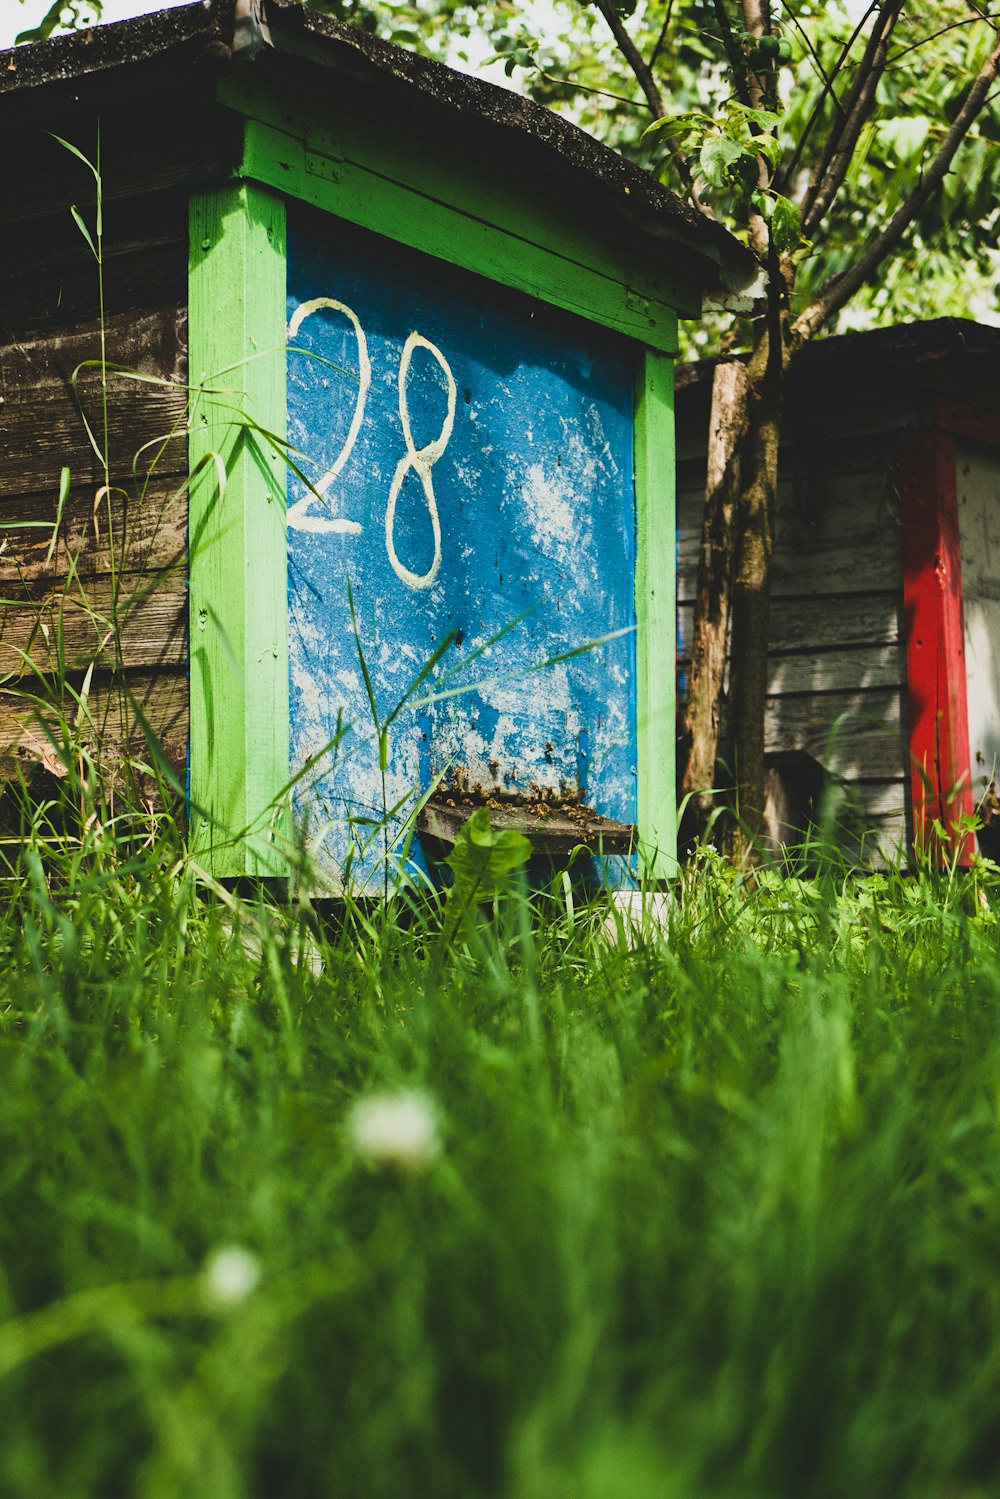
[{"x": 885, "y": 634}]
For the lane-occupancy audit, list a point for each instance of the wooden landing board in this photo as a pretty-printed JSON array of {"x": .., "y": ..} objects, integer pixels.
[{"x": 553, "y": 830}]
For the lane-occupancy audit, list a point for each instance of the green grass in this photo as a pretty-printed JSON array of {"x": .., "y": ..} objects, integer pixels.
[{"x": 714, "y": 1214}]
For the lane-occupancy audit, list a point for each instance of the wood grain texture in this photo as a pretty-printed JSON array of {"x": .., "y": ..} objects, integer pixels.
[
  {"x": 201, "y": 144},
  {"x": 100, "y": 581},
  {"x": 433, "y": 164},
  {"x": 44, "y": 421},
  {"x": 838, "y": 536},
  {"x": 978, "y": 509},
  {"x": 40, "y": 721},
  {"x": 822, "y": 670},
  {"x": 827, "y": 622},
  {"x": 655, "y": 609},
  {"x": 238, "y": 554},
  {"x": 855, "y": 734},
  {"x": 144, "y": 534},
  {"x": 50, "y": 283},
  {"x": 129, "y": 620}
]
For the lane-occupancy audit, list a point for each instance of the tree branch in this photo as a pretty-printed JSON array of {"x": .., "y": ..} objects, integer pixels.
[
  {"x": 839, "y": 291},
  {"x": 737, "y": 63},
  {"x": 662, "y": 36},
  {"x": 858, "y": 106},
  {"x": 644, "y": 77},
  {"x": 788, "y": 172},
  {"x": 587, "y": 88},
  {"x": 635, "y": 59},
  {"x": 757, "y": 21},
  {"x": 925, "y": 41}
]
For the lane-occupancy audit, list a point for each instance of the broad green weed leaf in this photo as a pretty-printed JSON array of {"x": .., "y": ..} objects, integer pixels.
[{"x": 483, "y": 859}]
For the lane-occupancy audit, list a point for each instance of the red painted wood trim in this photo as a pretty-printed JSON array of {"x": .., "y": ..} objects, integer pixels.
[{"x": 941, "y": 777}]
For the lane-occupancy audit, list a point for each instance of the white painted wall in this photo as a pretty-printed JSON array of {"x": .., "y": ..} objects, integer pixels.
[{"x": 978, "y": 476}]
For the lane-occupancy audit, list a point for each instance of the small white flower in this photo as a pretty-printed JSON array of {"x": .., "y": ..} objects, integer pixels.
[
  {"x": 395, "y": 1129},
  {"x": 231, "y": 1275}
]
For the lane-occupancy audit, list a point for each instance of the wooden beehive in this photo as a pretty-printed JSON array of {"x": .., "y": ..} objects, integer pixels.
[{"x": 886, "y": 605}]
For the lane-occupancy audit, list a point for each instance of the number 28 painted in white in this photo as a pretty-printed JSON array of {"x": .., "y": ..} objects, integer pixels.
[{"x": 420, "y": 460}]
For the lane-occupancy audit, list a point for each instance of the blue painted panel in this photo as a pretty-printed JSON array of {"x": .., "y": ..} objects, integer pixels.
[{"x": 473, "y": 454}]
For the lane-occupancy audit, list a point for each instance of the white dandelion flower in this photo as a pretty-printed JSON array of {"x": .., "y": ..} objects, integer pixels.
[
  {"x": 395, "y": 1129},
  {"x": 231, "y": 1275}
]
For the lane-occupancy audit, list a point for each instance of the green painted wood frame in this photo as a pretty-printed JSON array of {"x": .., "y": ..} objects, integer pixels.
[
  {"x": 238, "y": 571},
  {"x": 656, "y": 616},
  {"x": 380, "y": 176},
  {"x": 238, "y": 564}
]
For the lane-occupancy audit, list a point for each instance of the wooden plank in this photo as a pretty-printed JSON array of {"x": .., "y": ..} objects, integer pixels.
[
  {"x": 856, "y": 734},
  {"x": 827, "y": 622},
  {"x": 978, "y": 466},
  {"x": 391, "y": 208},
  {"x": 935, "y": 647},
  {"x": 881, "y": 800},
  {"x": 41, "y": 427},
  {"x": 107, "y": 725},
  {"x": 970, "y": 414},
  {"x": 448, "y": 171},
  {"x": 848, "y": 542},
  {"x": 821, "y": 670},
  {"x": 802, "y": 463},
  {"x": 554, "y": 830},
  {"x": 51, "y": 284},
  {"x": 43, "y": 178},
  {"x": 886, "y": 840},
  {"x": 150, "y": 342},
  {"x": 131, "y": 621},
  {"x": 655, "y": 610},
  {"x": 238, "y": 564},
  {"x": 145, "y": 533}
]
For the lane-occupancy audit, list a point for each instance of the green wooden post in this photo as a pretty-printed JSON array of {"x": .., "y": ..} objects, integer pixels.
[
  {"x": 656, "y": 616},
  {"x": 238, "y": 553}
]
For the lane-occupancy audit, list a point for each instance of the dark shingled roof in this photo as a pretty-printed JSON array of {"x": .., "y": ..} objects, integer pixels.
[
  {"x": 880, "y": 354},
  {"x": 215, "y": 29}
]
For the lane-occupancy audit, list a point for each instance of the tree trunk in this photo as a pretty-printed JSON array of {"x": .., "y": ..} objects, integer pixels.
[
  {"x": 751, "y": 606},
  {"x": 700, "y": 732}
]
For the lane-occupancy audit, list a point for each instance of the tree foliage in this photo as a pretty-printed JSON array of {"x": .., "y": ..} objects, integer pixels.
[
  {"x": 62, "y": 15},
  {"x": 570, "y": 56}
]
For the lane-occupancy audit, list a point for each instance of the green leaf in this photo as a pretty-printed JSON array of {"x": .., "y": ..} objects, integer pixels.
[
  {"x": 767, "y": 146},
  {"x": 79, "y": 222},
  {"x": 737, "y": 114},
  {"x": 786, "y": 226},
  {"x": 75, "y": 151},
  {"x": 682, "y": 124},
  {"x": 483, "y": 860},
  {"x": 718, "y": 156}
]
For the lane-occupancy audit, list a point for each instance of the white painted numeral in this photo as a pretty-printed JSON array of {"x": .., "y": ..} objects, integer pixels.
[
  {"x": 298, "y": 513},
  {"x": 421, "y": 460}
]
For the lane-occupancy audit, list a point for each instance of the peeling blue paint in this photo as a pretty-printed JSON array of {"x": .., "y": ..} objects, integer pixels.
[{"x": 473, "y": 453}]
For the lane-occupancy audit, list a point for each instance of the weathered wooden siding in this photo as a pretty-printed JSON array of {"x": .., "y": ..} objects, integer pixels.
[
  {"x": 837, "y": 668},
  {"x": 98, "y": 585}
]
